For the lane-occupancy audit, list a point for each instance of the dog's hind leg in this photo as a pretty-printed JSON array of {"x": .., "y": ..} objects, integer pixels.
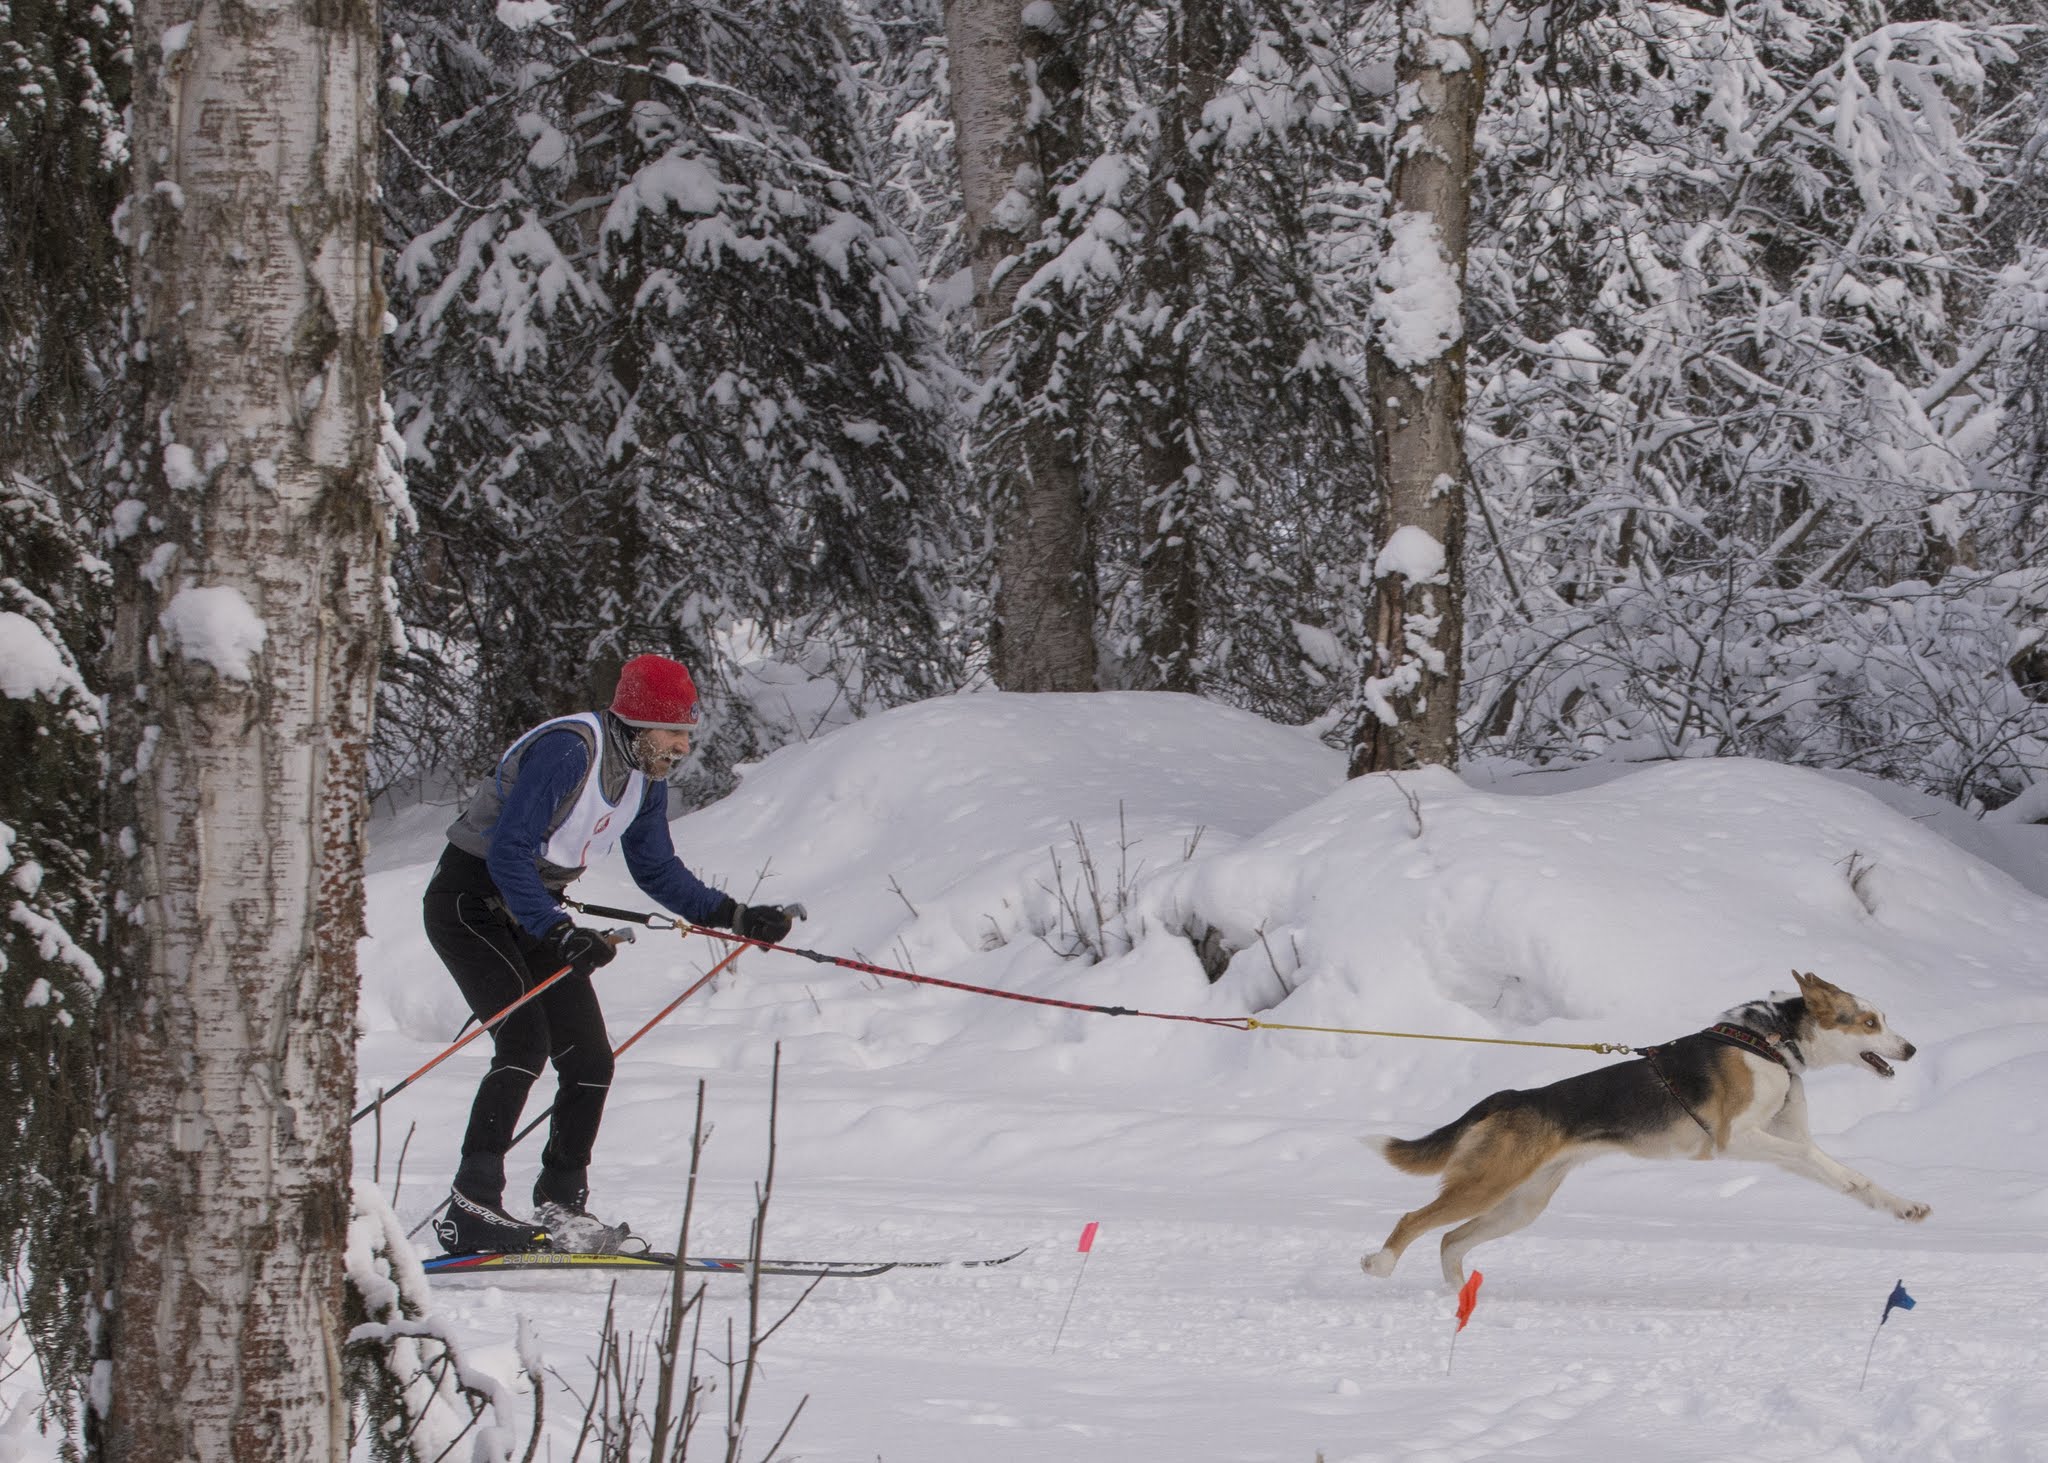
[
  {"x": 1482, "y": 1174},
  {"x": 1517, "y": 1211}
]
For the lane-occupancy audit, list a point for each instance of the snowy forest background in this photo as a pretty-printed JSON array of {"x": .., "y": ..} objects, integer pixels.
[{"x": 684, "y": 353}]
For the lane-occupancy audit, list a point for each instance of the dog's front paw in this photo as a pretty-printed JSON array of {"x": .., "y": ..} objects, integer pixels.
[
  {"x": 1381, "y": 1264},
  {"x": 1910, "y": 1212}
]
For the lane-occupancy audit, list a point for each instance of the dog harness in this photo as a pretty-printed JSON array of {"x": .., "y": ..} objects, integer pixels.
[{"x": 1728, "y": 1034}]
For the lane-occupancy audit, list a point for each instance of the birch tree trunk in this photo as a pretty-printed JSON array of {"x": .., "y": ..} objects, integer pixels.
[
  {"x": 247, "y": 636},
  {"x": 1010, "y": 86},
  {"x": 1416, "y": 369}
]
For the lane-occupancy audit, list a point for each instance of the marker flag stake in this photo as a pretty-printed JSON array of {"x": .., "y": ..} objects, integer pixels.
[
  {"x": 1468, "y": 1298},
  {"x": 1897, "y": 1300},
  {"x": 1087, "y": 1248}
]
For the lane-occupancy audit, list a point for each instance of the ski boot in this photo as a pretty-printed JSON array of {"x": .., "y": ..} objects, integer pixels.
[
  {"x": 558, "y": 1202},
  {"x": 469, "y": 1226}
]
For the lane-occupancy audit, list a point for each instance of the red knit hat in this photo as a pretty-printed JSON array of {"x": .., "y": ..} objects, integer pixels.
[{"x": 655, "y": 691}]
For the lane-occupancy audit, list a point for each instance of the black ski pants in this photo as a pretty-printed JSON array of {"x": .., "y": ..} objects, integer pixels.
[{"x": 494, "y": 962}]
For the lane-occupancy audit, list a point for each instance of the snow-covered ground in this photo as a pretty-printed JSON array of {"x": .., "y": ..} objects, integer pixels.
[{"x": 1678, "y": 1311}]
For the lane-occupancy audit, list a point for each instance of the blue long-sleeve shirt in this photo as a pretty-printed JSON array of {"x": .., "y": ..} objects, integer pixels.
[{"x": 551, "y": 767}]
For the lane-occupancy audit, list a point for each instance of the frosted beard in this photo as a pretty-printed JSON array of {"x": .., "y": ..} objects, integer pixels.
[{"x": 656, "y": 763}]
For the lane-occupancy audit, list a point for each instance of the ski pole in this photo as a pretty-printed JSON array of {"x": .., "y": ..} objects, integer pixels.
[
  {"x": 619, "y": 1050},
  {"x": 663, "y": 1014},
  {"x": 617, "y": 937}
]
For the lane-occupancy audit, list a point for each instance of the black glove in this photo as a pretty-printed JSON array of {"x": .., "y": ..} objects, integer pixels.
[
  {"x": 570, "y": 944},
  {"x": 768, "y": 923}
]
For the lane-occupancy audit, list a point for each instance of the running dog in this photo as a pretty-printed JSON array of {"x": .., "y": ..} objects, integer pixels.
[{"x": 1731, "y": 1091}]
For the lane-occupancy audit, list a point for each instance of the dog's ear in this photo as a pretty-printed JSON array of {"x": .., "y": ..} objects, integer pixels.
[{"x": 1813, "y": 987}]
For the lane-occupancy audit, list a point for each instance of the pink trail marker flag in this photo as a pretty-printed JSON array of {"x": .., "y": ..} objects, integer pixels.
[{"x": 1085, "y": 1248}]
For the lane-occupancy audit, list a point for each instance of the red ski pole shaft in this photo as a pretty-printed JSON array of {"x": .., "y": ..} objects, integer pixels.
[
  {"x": 659, "y": 1017},
  {"x": 460, "y": 1042},
  {"x": 615, "y": 936},
  {"x": 663, "y": 1014}
]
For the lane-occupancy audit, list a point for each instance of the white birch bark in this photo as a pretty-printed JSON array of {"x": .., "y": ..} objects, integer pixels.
[
  {"x": 1416, "y": 369},
  {"x": 246, "y": 644},
  {"x": 1007, "y": 81}
]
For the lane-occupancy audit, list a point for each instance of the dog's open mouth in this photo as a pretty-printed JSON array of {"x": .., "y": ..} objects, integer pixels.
[{"x": 1878, "y": 1064}]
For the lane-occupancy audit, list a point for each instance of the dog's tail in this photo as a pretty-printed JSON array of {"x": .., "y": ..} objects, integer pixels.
[{"x": 1432, "y": 1152}]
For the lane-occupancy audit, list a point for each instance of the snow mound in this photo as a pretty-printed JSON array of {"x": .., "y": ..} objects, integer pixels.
[{"x": 1099, "y": 848}]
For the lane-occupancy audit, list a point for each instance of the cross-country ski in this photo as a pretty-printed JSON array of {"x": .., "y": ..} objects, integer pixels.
[{"x": 489, "y": 1264}]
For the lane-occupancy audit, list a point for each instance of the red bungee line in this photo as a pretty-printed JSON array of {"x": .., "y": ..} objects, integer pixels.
[{"x": 658, "y": 921}]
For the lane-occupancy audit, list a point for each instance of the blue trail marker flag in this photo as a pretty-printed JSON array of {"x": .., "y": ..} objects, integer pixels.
[{"x": 1897, "y": 1300}]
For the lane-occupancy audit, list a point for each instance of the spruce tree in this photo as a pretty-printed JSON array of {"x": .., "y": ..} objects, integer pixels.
[
  {"x": 52, "y": 597},
  {"x": 665, "y": 370},
  {"x": 62, "y": 170},
  {"x": 1177, "y": 318},
  {"x": 1751, "y": 326}
]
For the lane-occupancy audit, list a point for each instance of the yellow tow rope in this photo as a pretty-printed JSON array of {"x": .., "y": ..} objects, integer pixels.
[
  {"x": 1232, "y": 1023},
  {"x": 1253, "y": 1023}
]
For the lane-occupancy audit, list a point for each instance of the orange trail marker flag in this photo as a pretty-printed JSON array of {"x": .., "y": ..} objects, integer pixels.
[
  {"x": 1086, "y": 1248},
  {"x": 1468, "y": 1301}
]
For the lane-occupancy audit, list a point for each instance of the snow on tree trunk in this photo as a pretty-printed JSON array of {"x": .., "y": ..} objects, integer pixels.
[
  {"x": 246, "y": 644},
  {"x": 1416, "y": 367},
  {"x": 1009, "y": 80}
]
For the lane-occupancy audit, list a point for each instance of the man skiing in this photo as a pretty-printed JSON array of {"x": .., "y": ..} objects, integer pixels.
[{"x": 561, "y": 797}]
